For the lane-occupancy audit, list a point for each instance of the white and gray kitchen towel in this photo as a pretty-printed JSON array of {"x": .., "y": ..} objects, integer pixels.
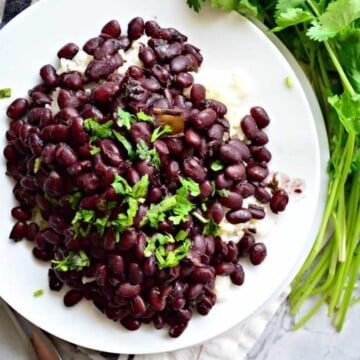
[{"x": 234, "y": 344}]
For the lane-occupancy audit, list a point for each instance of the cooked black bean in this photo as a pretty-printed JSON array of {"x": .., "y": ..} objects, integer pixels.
[
  {"x": 112, "y": 28},
  {"x": 279, "y": 201},
  {"x": 232, "y": 200},
  {"x": 257, "y": 253},
  {"x": 238, "y": 216},
  {"x": 193, "y": 168},
  {"x": 136, "y": 28},
  {"x": 260, "y": 115},
  {"x": 68, "y": 51},
  {"x": 17, "y": 108},
  {"x": 248, "y": 126},
  {"x": 197, "y": 95}
]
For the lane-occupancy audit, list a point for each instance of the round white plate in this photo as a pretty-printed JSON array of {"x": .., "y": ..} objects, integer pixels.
[{"x": 227, "y": 41}]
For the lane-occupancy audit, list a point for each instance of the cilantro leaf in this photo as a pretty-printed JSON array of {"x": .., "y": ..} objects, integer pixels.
[
  {"x": 74, "y": 199},
  {"x": 246, "y": 8},
  {"x": 226, "y": 5},
  {"x": 97, "y": 130},
  {"x": 211, "y": 228},
  {"x": 38, "y": 293},
  {"x": 157, "y": 212},
  {"x": 95, "y": 150},
  {"x": 338, "y": 16},
  {"x": 144, "y": 117},
  {"x": 195, "y": 4},
  {"x": 144, "y": 152},
  {"x": 37, "y": 165},
  {"x": 73, "y": 261},
  {"x": 217, "y": 165},
  {"x": 125, "y": 143},
  {"x": 140, "y": 189},
  {"x": 160, "y": 131},
  {"x": 348, "y": 110},
  {"x": 5, "y": 93},
  {"x": 120, "y": 185},
  {"x": 290, "y": 17},
  {"x": 125, "y": 119},
  {"x": 191, "y": 186}
]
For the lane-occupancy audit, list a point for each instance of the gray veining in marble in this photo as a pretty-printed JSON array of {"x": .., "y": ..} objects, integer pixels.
[{"x": 316, "y": 340}]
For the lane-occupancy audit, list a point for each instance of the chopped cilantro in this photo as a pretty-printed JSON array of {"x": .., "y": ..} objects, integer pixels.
[
  {"x": 217, "y": 165},
  {"x": 95, "y": 150},
  {"x": 125, "y": 119},
  {"x": 191, "y": 186},
  {"x": 74, "y": 199},
  {"x": 38, "y": 293},
  {"x": 37, "y": 164},
  {"x": 144, "y": 117},
  {"x": 160, "y": 131},
  {"x": 97, "y": 130},
  {"x": 73, "y": 261},
  {"x": 5, "y": 93},
  {"x": 143, "y": 152},
  {"x": 125, "y": 143}
]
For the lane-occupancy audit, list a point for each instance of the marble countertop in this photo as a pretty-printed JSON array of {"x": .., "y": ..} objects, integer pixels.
[{"x": 316, "y": 340}]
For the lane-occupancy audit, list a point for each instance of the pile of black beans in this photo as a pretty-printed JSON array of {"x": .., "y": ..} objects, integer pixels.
[{"x": 49, "y": 157}]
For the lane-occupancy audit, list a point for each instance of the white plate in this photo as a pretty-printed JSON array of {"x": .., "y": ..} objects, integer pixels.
[{"x": 227, "y": 41}]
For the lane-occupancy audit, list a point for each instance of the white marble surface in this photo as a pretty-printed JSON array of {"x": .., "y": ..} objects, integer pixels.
[{"x": 316, "y": 340}]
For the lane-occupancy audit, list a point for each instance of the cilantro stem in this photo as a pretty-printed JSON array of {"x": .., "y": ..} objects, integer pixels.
[{"x": 345, "y": 81}]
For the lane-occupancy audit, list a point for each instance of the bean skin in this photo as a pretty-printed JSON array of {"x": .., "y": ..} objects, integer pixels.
[
  {"x": 205, "y": 118},
  {"x": 260, "y": 115},
  {"x": 136, "y": 28},
  {"x": 245, "y": 243},
  {"x": 68, "y": 51},
  {"x": 238, "y": 216},
  {"x": 249, "y": 127},
  {"x": 17, "y": 108},
  {"x": 193, "y": 168},
  {"x": 279, "y": 201},
  {"x": 257, "y": 253},
  {"x": 112, "y": 28}
]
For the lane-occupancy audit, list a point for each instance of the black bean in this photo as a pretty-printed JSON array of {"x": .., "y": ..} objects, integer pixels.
[
  {"x": 238, "y": 275},
  {"x": 257, "y": 253},
  {"x": 72, "y": 297},
  {"x": 262, "y": 194},
  {"x": 279, "y": 201},
  {"x": 248, "y": 126},
  {"x": 238, "y": 216},
  {"x": 260, "y": 115},
  {"x": 193, "y": 168},
  {"x": 136, "y": 28},
  {"x": 17, "y": 108},
  {"x": 68, "y": 51},
  {"x": 229, "y": 154},
  {"x": 112, "y": 28},
  {"x": 232, "y": 200},
  {"x": 257, "y": 172}
]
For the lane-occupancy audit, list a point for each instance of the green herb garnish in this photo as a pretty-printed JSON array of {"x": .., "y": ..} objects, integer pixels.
[
  {"x": 38, "y": 293},
  {"x": 73, "y": 261},
  {"x": 5, "y": 93},
  {"x": 160, "y": 131}
]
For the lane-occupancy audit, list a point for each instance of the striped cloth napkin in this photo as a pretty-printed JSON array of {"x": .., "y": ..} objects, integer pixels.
[{"x": 234, "y": 344}]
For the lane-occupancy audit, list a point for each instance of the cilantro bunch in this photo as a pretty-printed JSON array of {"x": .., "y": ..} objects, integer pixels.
[{"x": 324, "y": 36}]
